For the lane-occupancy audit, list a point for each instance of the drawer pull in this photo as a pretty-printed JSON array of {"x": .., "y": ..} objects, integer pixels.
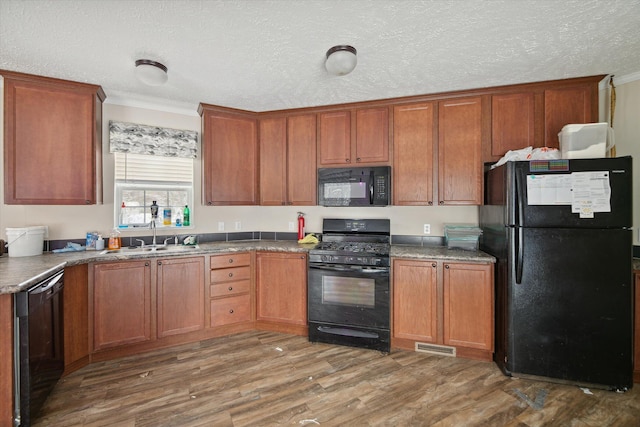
[
  {"x": 230, "y": 260},
  {"x": 446, "y": 266},
  {"x": 434, "y": 265},
  {"x": 230, "y": 274},
  {"x": 231, "y": 311},
  {"x": 230, "y": 288}
]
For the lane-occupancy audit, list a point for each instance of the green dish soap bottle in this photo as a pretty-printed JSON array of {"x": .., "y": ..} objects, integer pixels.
[{"x": 186, "y": 216}]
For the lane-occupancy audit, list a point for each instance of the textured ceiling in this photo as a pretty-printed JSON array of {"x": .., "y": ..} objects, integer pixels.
[{"x": 266, "y": 55}]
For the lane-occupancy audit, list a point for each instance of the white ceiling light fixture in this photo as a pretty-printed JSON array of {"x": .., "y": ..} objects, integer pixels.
[
  {"x": 341, "y": 60},
  {"x": 151, "y": 72}
]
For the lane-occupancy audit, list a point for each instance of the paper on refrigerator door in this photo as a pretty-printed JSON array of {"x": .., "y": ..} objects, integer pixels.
[
  {"x": 549, "y": 189},
  {"x": 591, "y": 193}
]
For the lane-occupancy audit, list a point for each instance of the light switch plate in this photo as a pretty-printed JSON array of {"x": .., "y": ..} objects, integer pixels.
[
  {"x": 238, "y": 226},
  {"x": 221, "y": 226},
  {"x": 292, "y": 226},
  {"x": 427, "y": 229}
]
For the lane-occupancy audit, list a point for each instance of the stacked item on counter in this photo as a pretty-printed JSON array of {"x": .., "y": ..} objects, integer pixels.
[{"x": 462, "y": 236}]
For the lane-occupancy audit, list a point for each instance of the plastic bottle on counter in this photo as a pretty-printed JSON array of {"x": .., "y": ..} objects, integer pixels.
[
  {"x": 114, "y": 239},
  {"x": 99, "y": 243},
  {"x": 167, "y": 216},
  {"x": 186, "y": 213}
]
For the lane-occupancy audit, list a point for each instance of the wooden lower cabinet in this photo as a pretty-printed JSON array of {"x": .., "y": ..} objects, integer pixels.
[
  {"x": 444, "y": 303},
  {"x": 180, "y": 288},
  {"x": 75, "y": 307},
  {"x": 281, "y": 288},
  {"x": 230, "y": 289},
  {"x": 122, "y": 302}
]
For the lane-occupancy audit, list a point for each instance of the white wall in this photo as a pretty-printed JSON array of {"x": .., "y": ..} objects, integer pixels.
[
  {"x": 626, "y": 125},
  {"x": 72, "y": 222}
]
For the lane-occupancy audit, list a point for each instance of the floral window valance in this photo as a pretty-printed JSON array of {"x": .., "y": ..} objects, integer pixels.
[{"x": 152, "y": 140}]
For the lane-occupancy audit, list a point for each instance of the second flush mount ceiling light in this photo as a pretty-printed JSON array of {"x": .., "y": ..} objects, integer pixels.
[
  {"x": 151, "y": 72},
  {"x": 341, "y": 60}
]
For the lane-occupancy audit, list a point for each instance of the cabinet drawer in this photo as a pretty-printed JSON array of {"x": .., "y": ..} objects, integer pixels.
[
  {"x": 230, "y": 260},
  {"x": 228, "y": 274},
  {"x": 225, "y": 311},
  {"x": 230, "y": 288}
]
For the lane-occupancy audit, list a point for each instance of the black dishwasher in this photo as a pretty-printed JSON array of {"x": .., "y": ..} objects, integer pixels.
[{"x": 39, "y": 355}]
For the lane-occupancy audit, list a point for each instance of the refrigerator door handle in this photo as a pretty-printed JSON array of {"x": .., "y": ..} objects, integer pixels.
[
  {"x": 519, "y": 255},
  {"x": 519, "y": 196}
]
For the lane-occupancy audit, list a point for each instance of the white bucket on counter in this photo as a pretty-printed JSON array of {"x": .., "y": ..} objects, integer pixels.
[{"x": 26, "y": 241}]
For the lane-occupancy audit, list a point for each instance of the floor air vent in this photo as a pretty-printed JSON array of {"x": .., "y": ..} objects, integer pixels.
[{"x": 442, "y": 350}]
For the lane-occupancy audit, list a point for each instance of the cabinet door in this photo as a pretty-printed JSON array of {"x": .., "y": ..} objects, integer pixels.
[
  {"x": 335, "y": 138},
  {"x": 415, "y": 300},
  {"x": 301, "y": 160},
  {"x": 121, "y": 303},
  {"x": 413, "y": 137},
  {"x": 56, "y": 125},
  {"x": 372, "y": 135},
  {"x": 468, "y": 305},
  {"x": 281, "y": 281},
  {"x": 577, "y": 104},
  {"x": 512, "y": 123},
  {"x": 459, "y": 151},
  {"x": 180, "y": 284},
  {"x": 273, "y": 163},
  {"x": 76, "y": 315},
  {"x": 230, "y": 159}
]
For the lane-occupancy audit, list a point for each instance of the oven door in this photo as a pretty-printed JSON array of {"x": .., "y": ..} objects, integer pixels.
[{"x": 349, "y": 295}]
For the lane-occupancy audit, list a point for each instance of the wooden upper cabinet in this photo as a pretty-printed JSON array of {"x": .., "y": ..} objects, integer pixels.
[
  {"x": 562, "y": 106},
  {"x": 301, "y": 160},
  {"x": 273, "y": 161},
  {"x": 335, "y": 138},
  {"x": 460, "y": 137},
  {"x": 361, "y": 140},
  {"x": 512, "y": 123},
  {"x": 288, "y": 160},
  {"x": 413, "y": 158},
  {"x": 47, "y": 122},
  {"x": 372, "y": 135},
  {"x": 230, "y": 156}
]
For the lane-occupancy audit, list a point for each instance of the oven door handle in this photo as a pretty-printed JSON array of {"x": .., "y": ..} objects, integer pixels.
[{"x": 367, "y": 270}]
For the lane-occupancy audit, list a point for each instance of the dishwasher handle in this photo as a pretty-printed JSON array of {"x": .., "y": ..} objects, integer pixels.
[{"x": 47, "y": 284}]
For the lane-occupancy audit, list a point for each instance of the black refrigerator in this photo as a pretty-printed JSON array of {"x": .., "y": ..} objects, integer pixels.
[{"x": 561, "y": 233}]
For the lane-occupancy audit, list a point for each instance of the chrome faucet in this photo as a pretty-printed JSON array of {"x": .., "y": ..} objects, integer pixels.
[{"x": 152, "y": 225}]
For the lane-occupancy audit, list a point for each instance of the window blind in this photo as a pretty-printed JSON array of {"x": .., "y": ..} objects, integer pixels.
[{"x": 141, "y": 167}]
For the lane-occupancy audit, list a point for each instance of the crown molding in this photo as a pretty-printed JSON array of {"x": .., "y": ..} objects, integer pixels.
[{"x": 126, "y": 99}]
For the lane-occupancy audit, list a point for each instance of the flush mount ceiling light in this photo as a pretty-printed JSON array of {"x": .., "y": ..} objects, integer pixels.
[
  {"x": 151, "y": 72},
  {"x": 341, "y": 60}
]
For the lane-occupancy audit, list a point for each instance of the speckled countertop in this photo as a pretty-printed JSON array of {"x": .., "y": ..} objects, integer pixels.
[{"x": 19, "y": 273}]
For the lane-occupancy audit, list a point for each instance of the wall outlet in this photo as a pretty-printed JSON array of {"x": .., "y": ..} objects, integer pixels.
[
  {"x": 221, "y": 226},
  {"x": 292, "y": 226},
  {"x": 427, "y": 229},
  {"x": 238, "y": 225}
]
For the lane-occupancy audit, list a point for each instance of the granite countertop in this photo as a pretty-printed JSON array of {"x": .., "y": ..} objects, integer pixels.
[{"x": 19, "y": 273}]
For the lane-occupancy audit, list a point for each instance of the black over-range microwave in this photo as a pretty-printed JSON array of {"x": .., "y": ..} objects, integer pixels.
[{"x": 354, "y": 186}]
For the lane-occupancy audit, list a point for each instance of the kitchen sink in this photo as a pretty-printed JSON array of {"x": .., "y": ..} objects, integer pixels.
[{"x": 151, "y": 248}]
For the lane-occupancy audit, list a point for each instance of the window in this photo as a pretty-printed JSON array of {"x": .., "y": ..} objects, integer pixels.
[
  {"x": 152, "y": 164},
  {"x": 140, "y": 179}
]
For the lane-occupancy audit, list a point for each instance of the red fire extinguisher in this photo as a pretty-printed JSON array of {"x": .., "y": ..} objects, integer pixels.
[{"x": 300, "y": 225}]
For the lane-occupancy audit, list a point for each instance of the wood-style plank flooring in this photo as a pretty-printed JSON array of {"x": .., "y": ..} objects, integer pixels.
[{"x": 270, "y": 379}]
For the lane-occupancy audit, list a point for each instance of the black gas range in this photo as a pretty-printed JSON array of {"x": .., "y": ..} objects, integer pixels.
[{"x": 348, "y": 286}]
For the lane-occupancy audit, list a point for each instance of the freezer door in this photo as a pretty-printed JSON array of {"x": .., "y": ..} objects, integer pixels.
[
  {"x": 524, "y": 206},
  {"x": 569, "y": 305}
]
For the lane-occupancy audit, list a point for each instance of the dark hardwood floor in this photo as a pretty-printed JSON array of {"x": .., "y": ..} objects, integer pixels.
[{"x": 270, "y": 379}]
